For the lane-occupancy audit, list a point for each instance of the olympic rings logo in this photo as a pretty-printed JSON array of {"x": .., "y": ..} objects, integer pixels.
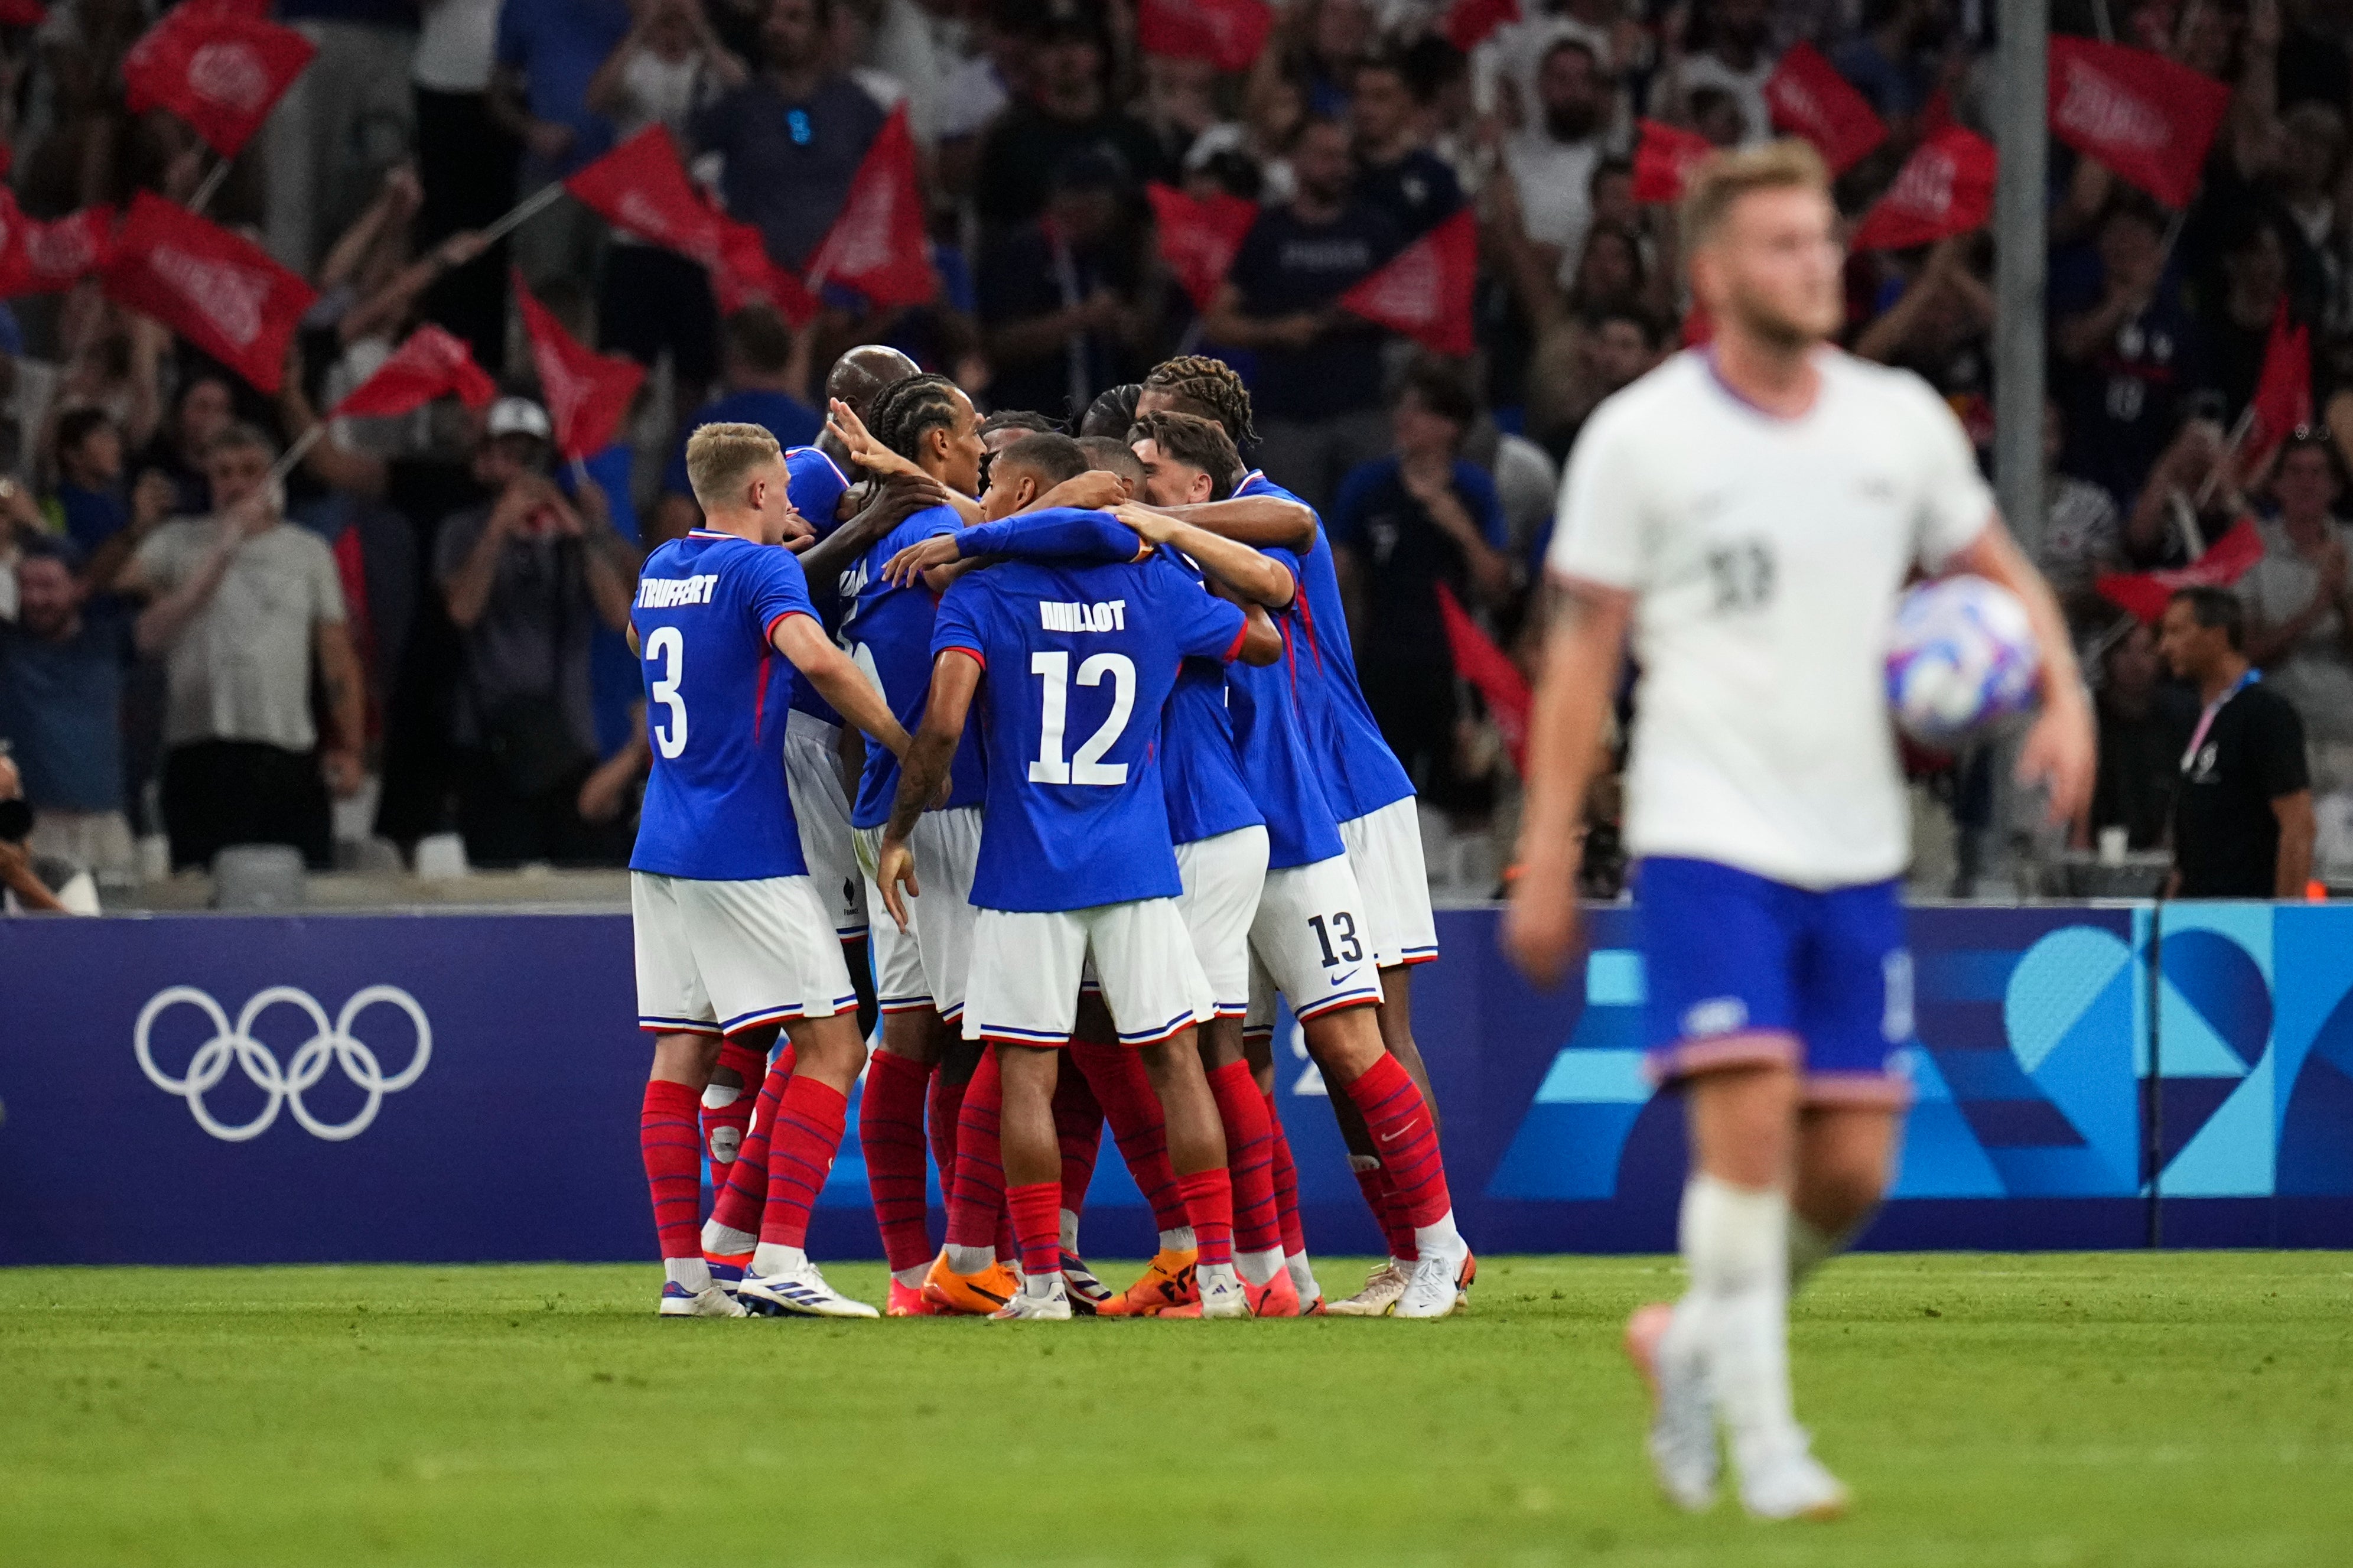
[{"x": 284, "y": 1085}]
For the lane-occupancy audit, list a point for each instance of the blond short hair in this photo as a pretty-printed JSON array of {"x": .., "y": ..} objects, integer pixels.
[
  {"x": 720, "y": 460},
  {"x": 1723, "y": 177}
]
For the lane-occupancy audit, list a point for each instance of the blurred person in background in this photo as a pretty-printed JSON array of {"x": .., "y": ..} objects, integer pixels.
[
  {"x": 89, "y": 492},
  {"x": 1397, "y": 172},
  {"x": 61, "y": 673},
  {"x": 2082, "y": 536},
  {"x": 548, "y": 52},
  {"x": 2125, "y": 347},
  {"x": 22, "y": 890},
  {"x": 2145, "y": 722},
  {"x": 203, "y": 406},
  {"x": 2242, "y": 818},
  {"x": 1060, "y": 313},
  {"x": 1728, "y": 50},
  {"x": 346, "y": 118},
  {"x": 245, "y": 609},
  {"x": 1552, "y": 161},
  {"x": 2299, "y": 602},
  {"x": 1067, "y": 109},
  {"x": 764, "y": 381}
]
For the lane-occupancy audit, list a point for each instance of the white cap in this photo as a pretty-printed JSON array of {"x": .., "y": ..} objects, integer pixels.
[{"x": 519, "y": 417}]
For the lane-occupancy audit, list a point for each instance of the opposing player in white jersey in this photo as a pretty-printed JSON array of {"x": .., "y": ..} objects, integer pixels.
[
  {"x": 732, "y": 938},
  {"x": 1750, "y": 513}
]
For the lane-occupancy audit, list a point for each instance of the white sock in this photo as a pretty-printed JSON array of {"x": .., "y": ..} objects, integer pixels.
[
  {"x": 913, "y": 1278},
  {"x": 1217, "y": 1276},
  {"x": 1259, "y": 1267},
  {"x": 1179, "y": 1240},
  {"x": 1069, "y": 1233},
  {"x": 971, "y": 1260},
  {"x": 1737, "y": 1243},
  {"x": 1810, "y": 1246},
  {"x": 1302, "y": 1274},
  {"x": 772, "y": 1258},
  {"x": 1044, "y": 1287},
  {"x": 725, "y": 1240},
  {"x": 1441, "y": 1240},
  {"x": 690, "y": 1272}
]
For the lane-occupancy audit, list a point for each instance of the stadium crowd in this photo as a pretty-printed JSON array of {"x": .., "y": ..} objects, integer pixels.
[{"x": 423, "y": 636}]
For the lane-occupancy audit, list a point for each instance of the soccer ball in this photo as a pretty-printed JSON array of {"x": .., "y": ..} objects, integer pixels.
[{"x": 1962, "y": 657}]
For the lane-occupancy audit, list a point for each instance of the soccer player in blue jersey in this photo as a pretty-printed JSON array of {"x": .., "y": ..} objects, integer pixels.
[
  {"x": 1370, "y": 797},
  {"x": 1076, "y": 864},
  {"x": 731, "y": 936}
]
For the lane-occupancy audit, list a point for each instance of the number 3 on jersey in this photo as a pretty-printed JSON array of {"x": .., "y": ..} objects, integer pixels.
[
  {"x": 666, "y": 646},
  {"x": 1087, "y": 766}
]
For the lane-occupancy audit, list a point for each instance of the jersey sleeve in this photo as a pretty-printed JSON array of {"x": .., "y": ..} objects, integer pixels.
[
  {"x": 1954, "y": 503},
  {"x": 1057, "y": 533},
  {"x": 1599, "y": 535},
  {"x": 958, "y": 624},
  {"x": 776, "y": 586},
  {"x": 1207, "y": 627}
]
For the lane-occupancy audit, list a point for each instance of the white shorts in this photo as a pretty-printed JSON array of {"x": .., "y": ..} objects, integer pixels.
[
  {"x": 715, "y": 957},
  {"x": 822, "y": 806},
  {"x": 925, "y": 965},
  {"x": 1027, "y": 966},
  {"x": 1223, "y": 878},
  {"x": 1308, "y": 942},
  {"x": 1385, "y": 852}
]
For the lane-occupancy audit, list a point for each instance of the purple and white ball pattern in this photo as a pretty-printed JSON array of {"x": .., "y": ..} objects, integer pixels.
[{"x": 1962, "y": 656}]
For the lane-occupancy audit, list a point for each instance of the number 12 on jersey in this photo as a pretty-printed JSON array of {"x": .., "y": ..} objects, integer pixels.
[{"x": 1087, "y": 766}]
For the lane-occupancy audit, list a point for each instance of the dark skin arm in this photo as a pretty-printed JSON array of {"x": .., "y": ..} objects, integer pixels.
[
  {"x": 955, "y": 678},
  {"x": 894, "y": 501}
]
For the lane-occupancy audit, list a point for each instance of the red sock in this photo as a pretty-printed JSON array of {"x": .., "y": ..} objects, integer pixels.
[
  {"x": 891, "y": 1131},
  {"x": 1395, "y": 1223},
  {"x": 940, "y": 1108},
  {"x": 801, "y": 1147},
  {"x": 1210, "y": 1208},
  {"x": 672, "y": 1145},
  {"x": 978, "y": 1201},
  {"x": 723, "y": 1125},
  {"x": 1078, "y": 1129},
  {"x": 1393, "y": 1110},
  {"x": 1366, "y": 1169},
  {"x": 1286, "y": 1184},
  {"x": 1116, "y": 1075},
  {"x": 1249, "y": 1157},
  {"x": 1036, "y": 1211},
  {"x": 739, "y": 1204}
]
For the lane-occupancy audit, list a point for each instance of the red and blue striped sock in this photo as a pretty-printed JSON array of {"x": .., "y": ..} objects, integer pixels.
[
  {"x": 1210, "y": 1208},
  {"x": 1036, "y": 1212},
  {"x": 1414, "y": 1174},
  {"x": 801, "y": 1147},
  {"x": 1250, "y": 1158},
  {"x": 671, "y": 1142},
  {"x": 891, "y": 1133}
]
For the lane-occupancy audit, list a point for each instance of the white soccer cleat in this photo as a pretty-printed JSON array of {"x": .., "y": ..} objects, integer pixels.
[
  {"x": 1221, "y": 1293},
  {"x": 802, "y": 1293},
  {"x": 1681, "y": 1443},
  {"x": 1790, "y": 1483},
  {"x": 1440, "y": 1283},
  {"x": 1053, "y": 1307},
  {"x": 1379, "y": 1296},
  {"x": 711, "y": 1301}
]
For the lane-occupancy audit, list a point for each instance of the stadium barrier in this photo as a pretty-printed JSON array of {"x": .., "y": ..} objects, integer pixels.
[{"x": 455, "y": 1087}]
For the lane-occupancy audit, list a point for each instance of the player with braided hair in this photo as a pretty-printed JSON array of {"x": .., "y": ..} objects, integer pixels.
[{"x": 1195, "y": 383}]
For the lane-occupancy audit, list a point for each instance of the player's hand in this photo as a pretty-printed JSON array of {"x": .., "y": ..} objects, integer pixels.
[
  {"x": 895, "y": 867},
  {"x": 864, "y": 451},
  {"x": 1156, "y": 528},
  {"x": 2061, "y": 755},
  {"x": 905, "y": 569},
  {"x": 1541, "y": 922},
  {"x": 1096, "y": 489}
]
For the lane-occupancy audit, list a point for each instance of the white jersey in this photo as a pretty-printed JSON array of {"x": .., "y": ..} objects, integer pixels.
[{"x": 1766, "y": 556}]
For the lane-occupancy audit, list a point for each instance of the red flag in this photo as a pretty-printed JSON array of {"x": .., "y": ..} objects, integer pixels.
[
  {"x": 1945, "y": 187},
  {"x": 1491, "y": 673},
  {"x": 1228, "y": 34},
  {"x": 45, "y": 258},
  {"x": 2283, "y": 399},
  {"x": 1663, "y": 157},
  {"x": 587, "y": 392},
  {"x": 1806, "y": 95},
  {"x": 431, "y": 364},
  {"x": 642, "y": 186},
  {"x": 2145, "y": 593},
  {"x": 1935, "y": 114},
  {"x": 1198, "y": 239},
  {"x": 1468, "y": 22},
  {"x": 878, "y": 245},
  {"x": 216, "y": 67},
  {"x": 2143, "y": 116},
  {"x": 223, "y": 293},
  {"x": 1425, "y": 291}
]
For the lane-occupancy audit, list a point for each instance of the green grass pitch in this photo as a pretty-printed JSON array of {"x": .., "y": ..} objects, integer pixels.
[{"x": 1988, "y": 1410}]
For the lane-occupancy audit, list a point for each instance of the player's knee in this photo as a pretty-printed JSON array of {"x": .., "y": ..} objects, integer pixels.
[
  {"x": 1344, "y": 1044},
  {"x": 1841, "y": 1191}
]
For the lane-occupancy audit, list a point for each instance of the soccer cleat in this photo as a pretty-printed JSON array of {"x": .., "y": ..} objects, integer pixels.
[
  {"x": 1439, "y": 1286},
  {"x": 1054, "y": 1306},
  {"x": 1168, "y": 1282},
  {"x": 1379, "y": 1296},
  {"x": 802, "y": 1293},
  {"x": 1278, "y": 1297},
  {"x": 1790, "y": 1483},
  {"x": 1221, "y": 1293},
  {"x": 1681, "y": 1443},
  {"x": 907, "y": 1301},
  {"x": 970, "y": 1294},
  {"x": 1086, "y": 1292},
  {"x": 727, "y": 1269},
  {"x": 711, "y": 1301}
]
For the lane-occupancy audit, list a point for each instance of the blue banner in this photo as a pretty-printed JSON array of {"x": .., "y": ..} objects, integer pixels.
[{"x": 432, "y": 1088}]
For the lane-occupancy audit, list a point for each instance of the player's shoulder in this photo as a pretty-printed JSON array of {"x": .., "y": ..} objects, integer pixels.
[
  {"x": 1888, "y": 388},
  {"x": 1660, "y": 401},
  {"x": 930, "y": 522}
]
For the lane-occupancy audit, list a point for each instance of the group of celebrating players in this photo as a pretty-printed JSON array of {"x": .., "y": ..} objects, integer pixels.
[{"x": 1075, "y": 721}]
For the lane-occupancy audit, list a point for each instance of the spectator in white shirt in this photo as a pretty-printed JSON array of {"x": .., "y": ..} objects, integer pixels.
[{"x": 1552, "y": 161}]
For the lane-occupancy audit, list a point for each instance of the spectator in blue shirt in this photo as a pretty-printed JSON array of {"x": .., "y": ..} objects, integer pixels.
[
  {"x": 61, "y": 672},
  {"x": 1402, "y": 525},
  {"x": 764, "y": 389},
  {"x": 1397, "y": 172},
  {"x": 548, "y": 51},
  {"x": 90, "y": 477}
]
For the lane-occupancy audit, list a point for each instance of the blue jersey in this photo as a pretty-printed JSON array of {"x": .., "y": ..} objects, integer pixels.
[
  {"x": 816, "y": 486},
  {"x": 1080, "y": 662},
  {"x": 888, "y": 631},
  {"x": 716, "y": 807},
  {"x": 1281, "y": 763},
  {"x": 1361, "y": 773}
]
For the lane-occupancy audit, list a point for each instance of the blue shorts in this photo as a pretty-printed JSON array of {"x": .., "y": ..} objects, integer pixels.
[{"x": 1740, "y": 970}]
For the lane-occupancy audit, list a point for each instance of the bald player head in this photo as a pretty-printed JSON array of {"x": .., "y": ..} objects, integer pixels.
[{"x": 865, "y": 370}]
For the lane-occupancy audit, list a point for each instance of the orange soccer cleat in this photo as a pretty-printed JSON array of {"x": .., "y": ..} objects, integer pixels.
[
  {"x": 1278, "y": 1297},
  {"x": 970, "y": 1294},
  {"x": 907, "y": 1301},
  {"x": 1169, "y": 1282}
]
